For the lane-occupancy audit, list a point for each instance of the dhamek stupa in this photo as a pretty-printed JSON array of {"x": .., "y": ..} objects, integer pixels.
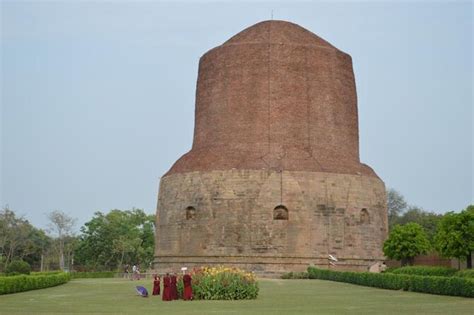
[{"x": 273, "y": 181}]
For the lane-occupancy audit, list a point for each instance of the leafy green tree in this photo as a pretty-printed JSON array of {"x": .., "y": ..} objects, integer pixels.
[
  {"x": 119, "y": 237},
  {"x": 428, "y": 220},
  {"x": 405, "y": 242},
  {"x": 15, "y": 235},
  {"x": 396, "y": 204},
  {"x": 455, "y": 235},
  {"x": 37, "y": 246}
]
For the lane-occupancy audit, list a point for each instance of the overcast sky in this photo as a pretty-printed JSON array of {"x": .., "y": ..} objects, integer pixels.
[{"x": 98, "y": 97}]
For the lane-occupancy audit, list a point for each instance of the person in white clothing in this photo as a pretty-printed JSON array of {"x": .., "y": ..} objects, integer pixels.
[{"x": 134, "y": 272}]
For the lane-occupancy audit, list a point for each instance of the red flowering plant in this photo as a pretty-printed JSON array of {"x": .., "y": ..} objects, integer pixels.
[{"x": 221, "y": 283}]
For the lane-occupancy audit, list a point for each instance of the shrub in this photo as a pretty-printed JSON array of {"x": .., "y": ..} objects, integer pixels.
[
  {"x": 442, "y": 285},
  {"x": 467, "y": 273},
  {"x": 95, "y": 274},
  {"x": 22, "y": 283},
  {"x": 18, "y": 267},
  {"x": 295, "y": 275},
  {"x": 45, "y": 273},
  {"x": 428, "y": 284},
  {"x": 425, "y": 271},
  {"x": 391, "y": 269},
  {"x": 221, "y": 283}
]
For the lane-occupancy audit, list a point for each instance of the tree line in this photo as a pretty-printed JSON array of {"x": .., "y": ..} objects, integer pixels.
[
  {"x": 106, "y": 242},
  {"x": 414, "y": 231}
]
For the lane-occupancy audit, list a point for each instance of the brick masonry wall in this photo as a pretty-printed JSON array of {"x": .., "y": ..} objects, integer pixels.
[
  {"x": 275, "y": 124},
  {"x": 275, "y": 96},
  {"x": 233, "y": 220}
]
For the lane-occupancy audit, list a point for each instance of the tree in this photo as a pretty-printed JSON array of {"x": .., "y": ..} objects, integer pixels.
[
  {"x": 405, "y": 242},
  {"x": 62, "y": 224},
  {"x": 428, "y": 220},
  {"x": 119, "y": 237},
  {"x": 14, "y": 236},
  {"x": 396, "y": 204},
  {"x": 38, "y": 244},
  {"x": 455, "y": 235},
  {"x": 70, "y": 243}
]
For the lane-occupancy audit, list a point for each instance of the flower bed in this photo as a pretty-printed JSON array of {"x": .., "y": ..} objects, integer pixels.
[{"x": 221, "y": 283}]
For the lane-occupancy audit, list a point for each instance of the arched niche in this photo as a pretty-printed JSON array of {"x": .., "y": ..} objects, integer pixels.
[
  {"x": 190, "y": 213},
  {"x": 364, "y": 216},
  {"x": 280, "y": 212}
]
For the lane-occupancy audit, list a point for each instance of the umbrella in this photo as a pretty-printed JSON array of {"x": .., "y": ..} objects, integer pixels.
[{"x": 141, "y": 291}]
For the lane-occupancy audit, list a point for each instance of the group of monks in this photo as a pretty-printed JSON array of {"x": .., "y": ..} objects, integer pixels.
[{"x": 170, "y": 291}]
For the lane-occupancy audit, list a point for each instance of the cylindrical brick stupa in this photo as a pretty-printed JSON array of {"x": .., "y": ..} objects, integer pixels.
[{"x": 273, "y": 181}]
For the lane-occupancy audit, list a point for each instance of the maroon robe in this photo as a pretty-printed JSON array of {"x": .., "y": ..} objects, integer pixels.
[
  {"x": 166, "y": 288},
  {"x": 156, "y": 286},
  {"x": 173, "y": 288},
  {"x": 187, "y": 288}
]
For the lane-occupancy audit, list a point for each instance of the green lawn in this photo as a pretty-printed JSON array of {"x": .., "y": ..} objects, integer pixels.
[{"x": 117, "y": 296}]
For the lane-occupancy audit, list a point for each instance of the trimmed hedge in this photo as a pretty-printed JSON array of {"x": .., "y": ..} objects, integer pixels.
[
  {"x": 427, "y": 284},
  {"x": 22, "y": 283},
  {"x": 45, "y": 273},
  {"x": 467, "y": 273},
  {"x": 295, "y": 275},
  {"x": 77, "y": 275},
  {"x": 95, "y": 274},
  {"x": 425, "y": 271}
]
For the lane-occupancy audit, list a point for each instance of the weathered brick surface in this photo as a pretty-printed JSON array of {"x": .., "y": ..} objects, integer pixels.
[
  {"x": 275, "y": 96},
  {"x": 276, "y": 123},
  {"x": 234, "y": 223}
]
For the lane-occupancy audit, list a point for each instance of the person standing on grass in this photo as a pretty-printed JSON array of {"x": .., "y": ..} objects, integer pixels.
[
  {"x": 166, "y": 288},
  {"x": 156, "y": 285},
  {"x": 134, "y": 272},
  {"x": 138, "y": 272},
  {"x": 126, "y": 272},
  {"x": 174, "y": 289},
  {"x": 187, "y": 288}
]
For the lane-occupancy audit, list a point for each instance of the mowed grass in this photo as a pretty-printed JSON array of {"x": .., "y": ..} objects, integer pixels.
[{"x": 117, "y": 296}]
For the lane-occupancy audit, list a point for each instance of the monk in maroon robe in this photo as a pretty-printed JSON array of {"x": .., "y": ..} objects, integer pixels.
[
  {"x": 156, "y": 285},
  {"x": 187, "y": 288},
  {"x": 166, "y": 288},
  {"x": 173, "y": 288}
]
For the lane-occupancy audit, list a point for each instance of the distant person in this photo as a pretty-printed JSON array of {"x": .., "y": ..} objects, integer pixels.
[
  {"x": 166, "y": 288},
  {"x": 156, "y": 285},
  {"x": 187, "y": 288},
  {"x": 126, "y": 271},
  {"x": 138, "y": 272},
  {"x": 173, "y": 288},
  {"x": 383, "y": 267},
  {"x": 134, "y": 272}
]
